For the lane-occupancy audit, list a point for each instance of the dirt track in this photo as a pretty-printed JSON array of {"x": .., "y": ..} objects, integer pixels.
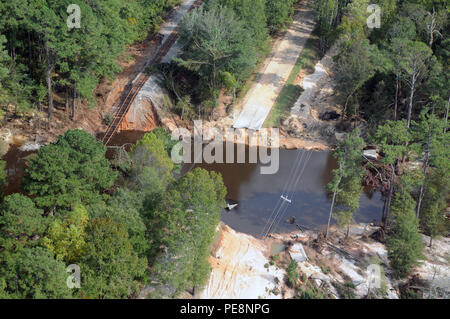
[{"x": 269, "y": 83}]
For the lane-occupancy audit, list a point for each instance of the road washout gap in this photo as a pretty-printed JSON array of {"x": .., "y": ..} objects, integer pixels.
[
  {"x": 269, "y": 83},
  {"x": 311, "y": 83},
  {"x": 308, "y": 116}
]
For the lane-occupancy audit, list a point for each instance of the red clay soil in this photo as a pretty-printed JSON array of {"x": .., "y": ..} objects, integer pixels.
[
  {"x": 147, "y": 122},
  {"x": 89, "y": 118},
  {"x": 107, "y": 93}
]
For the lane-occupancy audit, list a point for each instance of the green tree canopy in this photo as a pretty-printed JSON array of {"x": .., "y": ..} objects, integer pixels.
[
  {"x": 346, "y": 184},
  {"x": 404, "y": 245},
  {"x": 66, "y": 235},
  {"x": 125, "y": 208},
  {"x": 110, "y": 268},
  {"x": 70, "y": 171},
  {"x": 184, "y": 227},
  {"x": 252, "y": 14},
  {"x": 279, "y": 14},
  {"x": 36, "y": 274},
  {"x": 392, "y": 139},
  {"x": 215, "y": 41},
  {"x": 20, "y": 219}
]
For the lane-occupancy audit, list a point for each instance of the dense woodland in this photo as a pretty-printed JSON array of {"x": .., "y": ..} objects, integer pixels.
[
  {"x": 132, "y": 222},
  {"x": 395, "y": 80},
  {"x": 129, "y": 228},
  {"x": 77, "y": 207},
  {"x": 41, "y": 56}
]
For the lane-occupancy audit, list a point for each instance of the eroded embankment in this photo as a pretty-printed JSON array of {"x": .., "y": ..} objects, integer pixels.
[
  {"x": 238, "y": 268},
  {"x": 244, "y": 267}
]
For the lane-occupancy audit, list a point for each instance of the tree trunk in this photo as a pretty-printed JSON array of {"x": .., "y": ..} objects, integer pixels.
[
  {"x": 431, "y": 241},
  {"x": 67, "y": 100},
  {"x": 384, "y": 211},
  {"x": 74, "y": 102},
  {"x": 425, "y": 169},
  {"x": 13, "y": 45},
  {"x": 334, "y": 199},
  {"x": 30, "y": 54},
  {"x": 391, "y": 190},
  {"x": 411, "y": 98},
  {"x": 397, "y": 85},
  {"x": 431, "y": 39},
  {"x": 432, "y": 28},
  {"x": 214, "y": 76},
  {"x": 446, "y": 115},
  {"x": 48, "y": 77},
  {"x": 39, "y": 57}
]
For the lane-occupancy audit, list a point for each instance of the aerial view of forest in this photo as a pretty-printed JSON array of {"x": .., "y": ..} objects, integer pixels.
[{"x": 224, "y": 149}]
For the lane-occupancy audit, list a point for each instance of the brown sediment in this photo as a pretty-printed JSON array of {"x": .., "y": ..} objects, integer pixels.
[{"x": 285, "y": 141}]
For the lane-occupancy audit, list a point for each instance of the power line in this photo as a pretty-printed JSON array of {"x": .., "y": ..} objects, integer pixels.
[
  {"x": 286, "y": 187},
  {"x": 293, "y": 191},
  {"x": 277, "y": 220},
  {"x": 292, "y": 183}
]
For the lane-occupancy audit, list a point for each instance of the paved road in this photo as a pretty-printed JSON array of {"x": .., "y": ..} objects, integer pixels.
[{"x": 269, "y": 83}]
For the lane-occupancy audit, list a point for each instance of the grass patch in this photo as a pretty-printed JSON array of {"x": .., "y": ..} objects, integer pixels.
[
  {"x": 346, "y": 290},
  {"x": 287, "y": 98},
  {"x": 243, "y": 90},
  {"x": 290, "y": 93}
]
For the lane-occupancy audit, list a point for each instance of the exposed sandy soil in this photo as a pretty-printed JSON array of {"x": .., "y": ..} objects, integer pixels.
[
  {"x": 289, "y": 143},
  {"x": 238, "y": 260},
  {"x": 238, "y": 269},
  {"x": 435, "y": 270},
  {"x": 317, "y": 99}
]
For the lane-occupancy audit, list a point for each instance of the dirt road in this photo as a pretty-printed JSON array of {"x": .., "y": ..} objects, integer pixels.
[{"x": 269, "y": 83}]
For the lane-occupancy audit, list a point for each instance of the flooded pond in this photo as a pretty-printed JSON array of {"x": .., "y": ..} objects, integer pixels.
[{"x": 255, "y": 193}]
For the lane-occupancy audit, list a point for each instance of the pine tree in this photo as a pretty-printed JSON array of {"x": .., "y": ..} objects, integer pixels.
[
  {"x": 184, "y": 227},
  {"x": 431, "y": 141},
  {"x": 346, "y": 184},
  {"x": 111, "y": 268},
  {"x": 405, "y": 244},
  {"x": 393, "y": 139},
  {"x": 70, "y": 171}
]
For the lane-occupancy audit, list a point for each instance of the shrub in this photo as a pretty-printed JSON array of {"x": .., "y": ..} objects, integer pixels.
[{"x": 292, "y": 274}]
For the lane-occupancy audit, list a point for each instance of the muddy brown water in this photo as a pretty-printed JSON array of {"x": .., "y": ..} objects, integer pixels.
[
  {"x": 258, "y": 194},
  {"x": 15, "y": 163},
  {"x": 255, "y": 193}
]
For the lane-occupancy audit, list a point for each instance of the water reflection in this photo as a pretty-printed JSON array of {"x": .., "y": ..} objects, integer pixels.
[{"x": 258, "y": 194}]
